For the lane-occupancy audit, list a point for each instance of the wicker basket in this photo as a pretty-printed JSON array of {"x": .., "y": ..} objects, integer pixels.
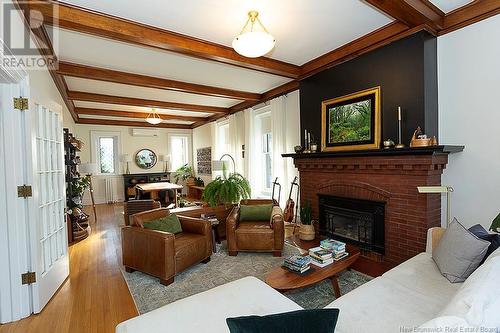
[{"x": 306, "y": 232}]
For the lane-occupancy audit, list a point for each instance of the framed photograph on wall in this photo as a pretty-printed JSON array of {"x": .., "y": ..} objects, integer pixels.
[{"x": 351, "y": 122}]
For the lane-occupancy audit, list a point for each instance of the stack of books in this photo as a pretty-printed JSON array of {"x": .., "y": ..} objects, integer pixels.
[
  {"x": 336, "y": 247},
  {"x": 320, "y": 257},
  {"x": 298, "y": 264}
]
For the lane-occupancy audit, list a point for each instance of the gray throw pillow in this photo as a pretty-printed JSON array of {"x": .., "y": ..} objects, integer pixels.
[{"x": 459, "y": 252}]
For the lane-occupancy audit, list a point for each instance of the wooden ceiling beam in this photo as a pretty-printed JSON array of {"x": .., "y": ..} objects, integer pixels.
[
  {"x": 108, "y": 75},
  {"x": 87, "y": 21},
  {"x": 139, "y": 102},
  {"x": 44, "y": 46},
  {"x": 273, "y": 93},
  {"x": 132, "y": 114},
  {"x": 469, "y": 14},
  {"x": 413, "y": 13},
  {"x": 107, "y": 122}
]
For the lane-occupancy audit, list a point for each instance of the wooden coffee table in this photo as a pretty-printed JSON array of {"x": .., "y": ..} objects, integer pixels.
[{"x": 283, "y": 279}]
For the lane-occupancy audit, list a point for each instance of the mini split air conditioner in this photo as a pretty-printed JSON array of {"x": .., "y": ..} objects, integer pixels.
[{"x": 144, "y": 132}]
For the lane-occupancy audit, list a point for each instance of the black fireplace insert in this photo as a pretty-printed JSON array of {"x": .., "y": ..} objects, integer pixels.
[{"x": 354, "y": 221}]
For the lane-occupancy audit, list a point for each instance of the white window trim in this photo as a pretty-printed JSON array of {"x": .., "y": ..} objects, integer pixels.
[
  {"x": 94, "y": 140},
  {"x": 264, "y": 111},
  {"x": 189, "y": 145}
]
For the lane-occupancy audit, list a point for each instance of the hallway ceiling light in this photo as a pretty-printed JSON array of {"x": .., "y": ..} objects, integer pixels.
[
  {"x": 153, "y": 118},
  {"x": 254, "y": 40}
]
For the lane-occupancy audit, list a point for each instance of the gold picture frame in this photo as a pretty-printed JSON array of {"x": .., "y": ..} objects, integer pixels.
[{"x": 349, "y": 130}]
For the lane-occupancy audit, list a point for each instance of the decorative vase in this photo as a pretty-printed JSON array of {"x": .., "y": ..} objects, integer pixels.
[{"x": 306, "y": 232}]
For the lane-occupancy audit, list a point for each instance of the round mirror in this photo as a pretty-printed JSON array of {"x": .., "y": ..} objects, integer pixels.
[{"x": 145, "y": 159}]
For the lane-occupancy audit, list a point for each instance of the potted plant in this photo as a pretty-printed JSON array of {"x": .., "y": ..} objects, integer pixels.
[
  {"x": 78, "y": 188},
  {"x": 226, "y": 190},
  {"x": 184, "y": 173},
  {"x": 306, "y": 230}
]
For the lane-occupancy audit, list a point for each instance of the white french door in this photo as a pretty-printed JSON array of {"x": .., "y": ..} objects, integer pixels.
[
  {"x": 33, "y": 235},
  {"x": 50, "y": 246}
]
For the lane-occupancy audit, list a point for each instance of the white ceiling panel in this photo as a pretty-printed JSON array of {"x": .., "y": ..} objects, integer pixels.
[
  {"x": 118, "y": 89},
  {"x": 99, "y": 52},
  {"x": 449, "y": 5},
  {"x": 170, "y": 121},
  {"x": 304, "y": 29},
  {"x": 116, "y": 107}
]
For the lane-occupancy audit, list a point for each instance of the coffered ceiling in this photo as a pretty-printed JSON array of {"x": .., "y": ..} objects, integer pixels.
[{"x": 118, "y": 59}]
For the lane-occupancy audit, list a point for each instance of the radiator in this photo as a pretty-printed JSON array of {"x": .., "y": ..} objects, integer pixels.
[{"x": 110, "y": 190}]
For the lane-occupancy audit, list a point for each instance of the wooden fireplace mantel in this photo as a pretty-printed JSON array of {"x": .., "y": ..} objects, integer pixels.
[{"x": 441, "y": 149}]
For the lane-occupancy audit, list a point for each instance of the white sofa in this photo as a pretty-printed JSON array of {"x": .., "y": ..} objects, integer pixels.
[{"x": 412, "y": 294}]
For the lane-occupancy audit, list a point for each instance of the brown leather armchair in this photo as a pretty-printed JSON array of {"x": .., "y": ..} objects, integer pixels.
[
  {"x": 162, "y": 254},
  {"x": 255, "y": 236}
]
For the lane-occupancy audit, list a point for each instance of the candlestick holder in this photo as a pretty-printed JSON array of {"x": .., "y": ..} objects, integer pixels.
[{"x": 400, "y": 130}]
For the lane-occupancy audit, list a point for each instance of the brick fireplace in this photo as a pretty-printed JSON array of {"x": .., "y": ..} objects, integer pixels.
[{"x": 387, "y": 176}]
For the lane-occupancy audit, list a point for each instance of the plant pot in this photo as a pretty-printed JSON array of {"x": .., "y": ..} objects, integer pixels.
[
  {"x": 190, "y": 181},
  {"x": 306, "y": 232}
]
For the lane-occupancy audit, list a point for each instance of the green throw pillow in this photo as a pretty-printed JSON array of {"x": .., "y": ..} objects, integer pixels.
[
  {"x": 301, "y": 321},
  {"x": 256, "y": 212},
  {"x": 169, "y": 223}
]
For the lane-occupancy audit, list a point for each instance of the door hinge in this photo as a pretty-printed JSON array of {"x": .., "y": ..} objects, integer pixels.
[
  {"x": 24, "y": 191},
  {"x": 28, "y": 278},
  {"x": 21, "y": 103}
]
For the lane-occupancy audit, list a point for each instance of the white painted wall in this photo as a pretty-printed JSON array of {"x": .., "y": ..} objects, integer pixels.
[
  {"x": 469, "y": 114},
  {"x": 129, "y": 145}
]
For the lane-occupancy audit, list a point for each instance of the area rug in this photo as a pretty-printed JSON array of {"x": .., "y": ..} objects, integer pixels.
[{"x": 149, "y": 294}]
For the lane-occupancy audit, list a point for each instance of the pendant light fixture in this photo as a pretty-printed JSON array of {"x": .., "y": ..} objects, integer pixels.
[
  {"x": 254, "y": 40},
  {"x": 153, "y": 118}
]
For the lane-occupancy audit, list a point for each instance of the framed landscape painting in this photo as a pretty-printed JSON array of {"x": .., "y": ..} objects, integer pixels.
[{"x": 351, "y": 122}]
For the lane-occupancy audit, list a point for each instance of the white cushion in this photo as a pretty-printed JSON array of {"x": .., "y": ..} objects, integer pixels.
[
  {"x": 422, "y": 275},
  {"x": 207, "y": 311},
  {"x": 408, "y": 295},
  {"x": 445, "y": 324},
  {"x": 478, "y": 300}
]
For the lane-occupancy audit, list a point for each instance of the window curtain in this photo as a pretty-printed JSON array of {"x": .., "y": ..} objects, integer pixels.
[
  {"x": 251, "y": 149},
  {"x": 237, "y": 139},
  {"x": 286, "y": 134}
]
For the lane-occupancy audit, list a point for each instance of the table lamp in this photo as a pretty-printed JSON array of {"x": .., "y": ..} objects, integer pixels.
[
  {"x": 126, "y": 158},
  {"x": 166, "y": 159},
  {"x": 220, "y": 165},
  {"x": 440, "y": 189}
]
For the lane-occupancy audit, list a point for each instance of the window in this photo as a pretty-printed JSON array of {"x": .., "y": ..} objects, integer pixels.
[
  {"x": 106, "y": 155},
  {"x": 105, "y": 152},
  {"x": 179, "y": 149},
  {"x": 263, "y": 156}
]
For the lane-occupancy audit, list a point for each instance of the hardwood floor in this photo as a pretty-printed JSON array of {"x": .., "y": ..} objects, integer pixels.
[{"x": 95, "y": 297}]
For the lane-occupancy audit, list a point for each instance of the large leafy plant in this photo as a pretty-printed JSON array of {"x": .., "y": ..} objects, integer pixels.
[
  {"x": 227, "y": 189},
  {"x": 184, "y": 172}
]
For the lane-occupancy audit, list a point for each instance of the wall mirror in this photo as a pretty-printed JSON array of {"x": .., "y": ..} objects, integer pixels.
[{"x": 145, "y": 159}]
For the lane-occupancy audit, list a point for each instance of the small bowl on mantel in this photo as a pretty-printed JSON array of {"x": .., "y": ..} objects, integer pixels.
[{"x": 298, "y": 149}]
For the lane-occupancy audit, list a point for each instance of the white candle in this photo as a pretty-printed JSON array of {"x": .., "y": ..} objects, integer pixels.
[{"x": 399, "y": 113}]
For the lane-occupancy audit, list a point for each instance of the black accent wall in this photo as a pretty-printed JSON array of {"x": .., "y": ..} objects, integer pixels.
[{"x": 405, "y": 70}]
